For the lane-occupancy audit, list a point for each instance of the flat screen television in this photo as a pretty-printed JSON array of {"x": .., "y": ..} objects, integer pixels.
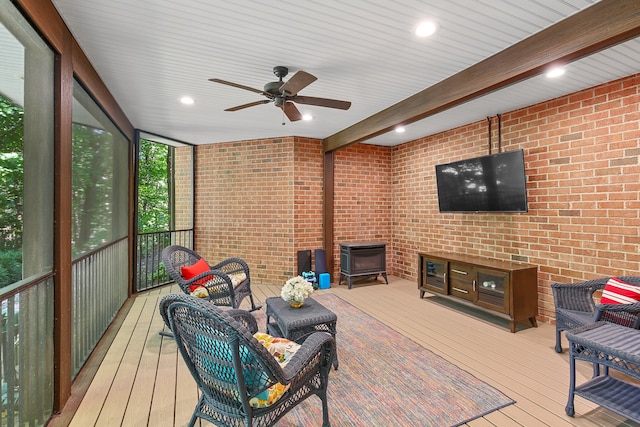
[{"x": 493, "y": 183}]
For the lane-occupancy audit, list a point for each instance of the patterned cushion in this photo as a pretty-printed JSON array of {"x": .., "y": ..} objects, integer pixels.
[
  {"x": 618, "y": 292},
  {"x": 201, "y": 292},
  {"x": 237, "y": 278},
  {"x": 282, "y": 349}
]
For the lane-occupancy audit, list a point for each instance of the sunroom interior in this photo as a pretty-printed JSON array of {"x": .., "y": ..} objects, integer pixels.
[{"x": 246, "y": 191}]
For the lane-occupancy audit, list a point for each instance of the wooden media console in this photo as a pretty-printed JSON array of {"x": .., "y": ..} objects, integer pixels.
[{"x": 506, "y": 289}]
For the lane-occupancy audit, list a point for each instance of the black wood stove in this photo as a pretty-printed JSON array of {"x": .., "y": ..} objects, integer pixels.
[{"x": 362, "y": 259}]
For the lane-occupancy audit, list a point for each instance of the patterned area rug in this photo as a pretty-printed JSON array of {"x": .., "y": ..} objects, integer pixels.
[{"x": 386, "y": 379}]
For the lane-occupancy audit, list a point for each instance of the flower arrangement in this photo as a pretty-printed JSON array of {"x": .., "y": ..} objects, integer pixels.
[{"x": 296, "y": 289}]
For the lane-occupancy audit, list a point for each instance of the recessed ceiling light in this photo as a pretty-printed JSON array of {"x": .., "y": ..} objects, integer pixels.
[
  {"x": 307, "y": 117},
  {"x": 555, "y": 72},
  {"x": 426, "y": 28},
  {"x": 400, "y": 129},
  {"x": 187, "y": 100}
]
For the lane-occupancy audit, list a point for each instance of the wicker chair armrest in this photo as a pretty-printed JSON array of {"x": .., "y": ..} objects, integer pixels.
[
  {"x": 204, "y": 275},
  {"x": 569, "y": 287},
  {"x": 245, "y": 318},
  {"x": 622, "y": 314},
  {"x": 576, "y": 296},
  {"x": 317, "y": 343},
  {"x": 232, "y": 265},
  {"x": 169, "y": 299},
  {"x": 211, "y": 279},
  {"x": 619, "y": 307}
]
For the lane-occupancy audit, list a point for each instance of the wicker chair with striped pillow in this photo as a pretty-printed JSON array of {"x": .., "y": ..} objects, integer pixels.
[{"x": 576, "y": 306}]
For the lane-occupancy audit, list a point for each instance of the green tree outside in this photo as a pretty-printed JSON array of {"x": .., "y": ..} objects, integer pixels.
[
  {"x": 11, "y": 191},
  {"x": 153, "y": 187},
  {"x": 90, "y": 185}
]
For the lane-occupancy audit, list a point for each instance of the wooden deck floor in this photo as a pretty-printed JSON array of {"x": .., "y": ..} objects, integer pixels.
[{"x": 139, "y": 379}]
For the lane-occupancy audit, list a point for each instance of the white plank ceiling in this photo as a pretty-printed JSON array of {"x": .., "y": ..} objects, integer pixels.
[{"x": 150, "y": 53}]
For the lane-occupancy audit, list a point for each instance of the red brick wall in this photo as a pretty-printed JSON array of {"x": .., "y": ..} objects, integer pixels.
[
  {"x": 254, "y": 201},
  {"x": 183, "y": 191},
  {"x": 308, "y": 187},
  {"x": 362, "y": 199},
  {"x": 581, "y": 159}
]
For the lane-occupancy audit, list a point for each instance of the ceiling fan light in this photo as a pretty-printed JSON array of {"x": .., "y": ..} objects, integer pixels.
[
  {"x": 307, "y": 117},
  {"x": 187, "y": 100}
]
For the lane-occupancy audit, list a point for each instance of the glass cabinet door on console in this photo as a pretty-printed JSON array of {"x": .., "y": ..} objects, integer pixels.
[
  {"x": 493, "y": 289},
  {"x": 433, "y": 275}
]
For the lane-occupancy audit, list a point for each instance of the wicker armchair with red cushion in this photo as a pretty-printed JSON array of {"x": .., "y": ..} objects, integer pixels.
[
  {"x": 226, "y": 283},
  {"x": 576, "y": 306}
]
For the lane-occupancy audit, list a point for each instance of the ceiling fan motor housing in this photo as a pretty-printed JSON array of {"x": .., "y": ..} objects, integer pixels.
[{"x": 273, "y": 87}]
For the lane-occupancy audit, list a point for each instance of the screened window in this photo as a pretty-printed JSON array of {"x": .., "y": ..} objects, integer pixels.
[
  {"x": 26, "y": 150},
  {"x": 165, "y": 204},
  {"x": 26, "y": 222},
  {"x": 100, "y": 177},
  {"x": 99, "y": 223}
]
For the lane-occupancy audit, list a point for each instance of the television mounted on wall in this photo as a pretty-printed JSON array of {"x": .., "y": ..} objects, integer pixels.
[{"x": 492, "y": 183}]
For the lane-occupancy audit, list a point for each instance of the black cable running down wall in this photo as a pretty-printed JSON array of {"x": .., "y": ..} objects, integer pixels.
[
  {"x": 489, "y": 123},
  {"x": 499, "y": 134}
]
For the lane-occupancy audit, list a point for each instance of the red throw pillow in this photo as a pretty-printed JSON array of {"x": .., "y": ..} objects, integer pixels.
[
  {"x": 618, "y": 292},
  {"x": 191, "y": 271}
]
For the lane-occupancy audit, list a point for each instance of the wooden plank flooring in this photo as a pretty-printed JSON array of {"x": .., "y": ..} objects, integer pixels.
[{"x": 142, "y": 380}]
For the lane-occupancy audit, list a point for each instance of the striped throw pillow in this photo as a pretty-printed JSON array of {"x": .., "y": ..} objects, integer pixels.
[{"x": 618, "y": 292}]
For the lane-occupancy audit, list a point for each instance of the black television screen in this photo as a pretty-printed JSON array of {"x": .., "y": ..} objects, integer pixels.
[{"x": 493, "y": 183}]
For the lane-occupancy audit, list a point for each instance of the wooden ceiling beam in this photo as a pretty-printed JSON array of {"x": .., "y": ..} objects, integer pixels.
[{"x": 600, "y": 26}]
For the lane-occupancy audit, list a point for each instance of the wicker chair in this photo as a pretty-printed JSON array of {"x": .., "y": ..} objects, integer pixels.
[
  {"x": 575, "y": 306},
  {"x": 218, "y": 281},
  {"x": 231, "y": 367}
]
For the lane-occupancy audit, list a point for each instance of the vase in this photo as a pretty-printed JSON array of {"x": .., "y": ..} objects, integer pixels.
[{"x": 296, "y": 304}]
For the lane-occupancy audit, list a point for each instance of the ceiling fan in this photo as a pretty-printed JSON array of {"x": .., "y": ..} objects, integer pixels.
[{"x": 284, "y": 94}]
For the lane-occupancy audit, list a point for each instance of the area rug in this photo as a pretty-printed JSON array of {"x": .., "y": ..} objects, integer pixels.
[{"x": 386, "y": 379}]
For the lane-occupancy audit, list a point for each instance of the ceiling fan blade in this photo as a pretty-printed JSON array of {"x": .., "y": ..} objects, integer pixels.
[
  {"x": 224, "y": 82},
  {"x": 291, "y": 111},
  {"x": 321, "y": 102},
  {"x": 251, "y": 104},
  {"x": 295, "y": 84}
]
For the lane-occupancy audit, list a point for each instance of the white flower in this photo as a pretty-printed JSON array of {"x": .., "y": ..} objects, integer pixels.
[{"x": 296, "y": 289}]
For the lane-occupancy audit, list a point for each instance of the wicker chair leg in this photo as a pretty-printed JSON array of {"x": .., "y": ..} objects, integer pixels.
[
  {"x": 558, "y": 343},
  {"x": 325, "y": 409},
  {"x": 194, "y": 418},
  {"x": 254, "y": 307}
]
